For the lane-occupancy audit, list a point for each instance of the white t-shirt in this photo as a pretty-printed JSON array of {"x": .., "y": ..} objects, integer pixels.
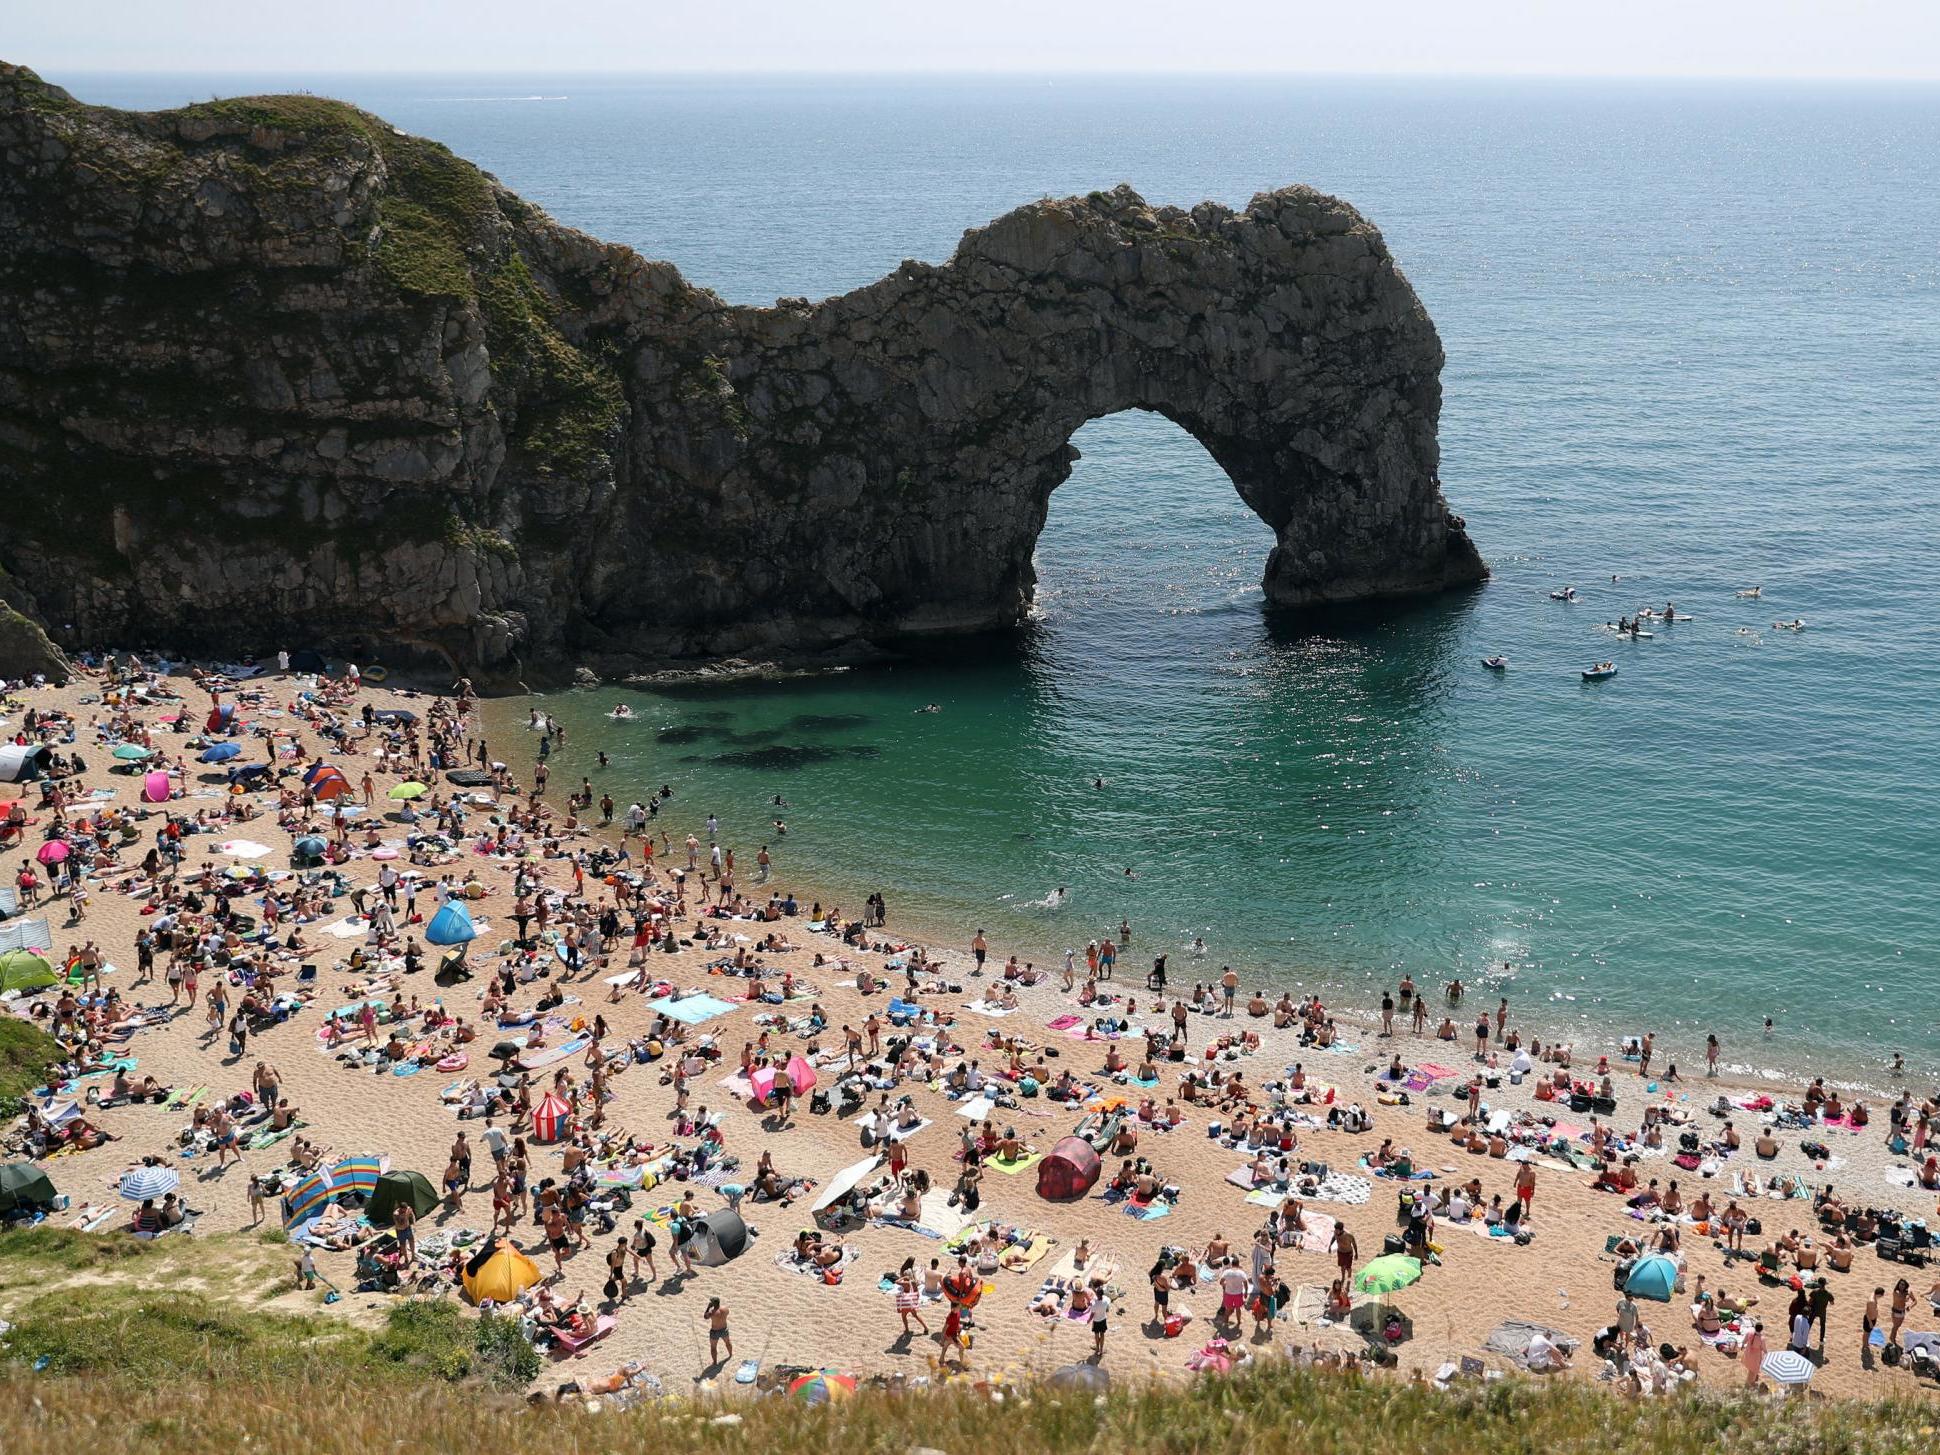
[{"x": 1543, "y": 1354}]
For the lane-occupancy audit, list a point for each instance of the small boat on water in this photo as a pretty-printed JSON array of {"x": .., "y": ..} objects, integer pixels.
[
  {"x": 1496, "y": 664},
  {"x": 1601, "y": 672}
]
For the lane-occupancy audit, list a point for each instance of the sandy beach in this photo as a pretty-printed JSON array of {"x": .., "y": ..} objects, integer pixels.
[{"x": 1560, "y": 1277}]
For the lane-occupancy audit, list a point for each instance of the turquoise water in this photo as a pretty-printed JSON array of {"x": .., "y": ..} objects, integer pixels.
[{"x": 1693, "y": 339}]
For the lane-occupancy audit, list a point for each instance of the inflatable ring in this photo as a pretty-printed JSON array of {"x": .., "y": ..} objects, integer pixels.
[
  {"x": 374, "y": 674},
  {"x": 455, "y": 1062}
]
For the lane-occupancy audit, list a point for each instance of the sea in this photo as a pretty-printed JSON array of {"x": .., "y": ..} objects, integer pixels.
[{"x": 1693, "y": 339}]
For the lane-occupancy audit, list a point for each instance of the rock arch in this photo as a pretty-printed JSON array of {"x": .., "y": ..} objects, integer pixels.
[{"x": 269, "y": 367}]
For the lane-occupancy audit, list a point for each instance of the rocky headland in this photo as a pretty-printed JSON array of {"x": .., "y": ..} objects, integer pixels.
[{"x": 274, "y": 373}]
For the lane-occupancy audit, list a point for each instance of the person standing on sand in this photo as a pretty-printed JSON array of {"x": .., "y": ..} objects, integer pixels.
[
  {"x": 1229, "y": 988},
  {"x": 1100, "y": 1321},
  {"x": 1526, "y": 1187},
  {"x": 1711, "y": 1051},
  {"x": 718, "y": 1338},
  {"x": 979, "y": 948},
  {"x": 1501, "y": 1017},
  {"x": 1644, "y": 1052},
  {"x": 1344, "y": 1248},
  {"x": 909, "y": 1300},
  {"x": 1753, "y": 1354}
]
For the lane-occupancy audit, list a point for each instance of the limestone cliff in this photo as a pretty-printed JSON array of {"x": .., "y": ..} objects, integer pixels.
[{"x": 273, "y": 372}]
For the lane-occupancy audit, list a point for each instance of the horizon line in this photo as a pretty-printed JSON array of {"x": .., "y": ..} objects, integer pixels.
[{"x": 1009, "y": 73}]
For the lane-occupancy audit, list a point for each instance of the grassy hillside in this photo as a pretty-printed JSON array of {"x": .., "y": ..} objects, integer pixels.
[{"x": 177, "y": 1345}]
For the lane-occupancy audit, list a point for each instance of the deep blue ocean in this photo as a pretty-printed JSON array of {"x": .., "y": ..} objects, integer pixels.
[{"x": 1693, "y": 338}]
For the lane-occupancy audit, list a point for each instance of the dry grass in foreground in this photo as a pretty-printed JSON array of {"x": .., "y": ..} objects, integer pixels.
[{"x": 1277, "y": 1409}]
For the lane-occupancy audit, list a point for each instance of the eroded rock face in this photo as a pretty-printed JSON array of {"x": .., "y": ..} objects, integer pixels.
[{"x": 273, "y": 372}]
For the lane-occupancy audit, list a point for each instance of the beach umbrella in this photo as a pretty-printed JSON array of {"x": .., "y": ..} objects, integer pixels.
[
  {"x": 132, "y": 752},
  {"x": 310, "y": 844},
  {"x": 1388, "y": 1274},
  {"x": 1787, "y": 1366},
  {"x": 500, "y": 1273},
  {"x": 1086, "y": 1378},
  {"x": 396, "y": 1189},
  {"x": 22, "y": 1184},
  {"x": 824, "y": 1386},
  {"x": 154, "y": 787},
  {"x": 220, "y": 753},
  {"x": 53, "y": 851},
  {"x": 451, "y": 925},
  {"x": 139, "y": 1184},
  {"x": 1653, "y": 1277},
  {"x": 408, "y": 790},
  {"x": 23, "y": 970}
]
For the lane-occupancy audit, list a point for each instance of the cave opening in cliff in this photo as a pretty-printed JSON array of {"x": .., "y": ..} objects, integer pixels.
[{"x": 1148, "y": 527}]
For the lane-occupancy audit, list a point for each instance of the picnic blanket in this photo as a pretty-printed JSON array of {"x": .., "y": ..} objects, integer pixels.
[
  {"x": 792, "y": 1264},
  {"x": 1511, "y": 1337}
]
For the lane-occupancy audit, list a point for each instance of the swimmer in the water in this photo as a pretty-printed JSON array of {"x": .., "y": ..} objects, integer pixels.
[
  {"x": 1097, "y": 783},
  {"x": 780, "y": 802},
  {"x": 780, "y": 827},
  {"x": 929, "y": 707},
  {"x": 1128, "y": 872},
  {"x": 603, "y": 758},
  {"x": 1198, "y": 945},
  {"x": 1056, "y": 896}
]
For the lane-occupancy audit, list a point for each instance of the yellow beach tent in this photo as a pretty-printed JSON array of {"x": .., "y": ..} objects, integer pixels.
[{"x": 500, "y": 1275}]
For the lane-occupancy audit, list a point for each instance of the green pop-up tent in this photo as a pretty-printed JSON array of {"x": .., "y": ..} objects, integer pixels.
[
  {"x": 394, "y": 1188},
  {"x": 23, "y": 970},
  {"x": 22, "y": 1184}
]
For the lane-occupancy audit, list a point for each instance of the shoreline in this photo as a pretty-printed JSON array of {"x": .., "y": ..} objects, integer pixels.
[
  {"x": 945, "y": 932},
  {"x": 352, "y": 1101}
]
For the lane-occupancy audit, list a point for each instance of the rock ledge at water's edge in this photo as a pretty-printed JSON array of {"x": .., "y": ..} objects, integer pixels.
[{"x": 273, "y": 373}]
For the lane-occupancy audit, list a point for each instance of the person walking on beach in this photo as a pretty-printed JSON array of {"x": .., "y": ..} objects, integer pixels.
[
  {"x": 718, "y": 1338},
  {"x": 979, "y": 948},
  {"x": 909, "y": 1299},
  {"x": 1100, "y": 1321},
  {"x": 1753, "y": 1354},
  {"x": 1344, "y": 1248},
  {"x": 1711, "y": 1050},
  {"x": 1526, "y": 1187}
]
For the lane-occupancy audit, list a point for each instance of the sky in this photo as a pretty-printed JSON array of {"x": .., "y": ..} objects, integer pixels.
[{"x": 1847, "y": 39}]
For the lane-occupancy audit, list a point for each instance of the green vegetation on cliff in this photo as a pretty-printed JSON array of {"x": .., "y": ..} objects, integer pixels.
[{"x": 27, "y": 1053}]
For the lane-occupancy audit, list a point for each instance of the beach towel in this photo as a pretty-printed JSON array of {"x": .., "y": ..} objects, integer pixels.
[
  {"x": 985, "y": 1008},
  {"x": 691, "y": 1009},
  {"x": 977, "y": 1108},
  {"x": 897, "y": 1134},
  {"x": 1064, "y": 1022},
  {"x": 792, "y": 1264},
  {"x": 1511, "y": 1339},
  {"x": 1022, "y": 1164}
]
